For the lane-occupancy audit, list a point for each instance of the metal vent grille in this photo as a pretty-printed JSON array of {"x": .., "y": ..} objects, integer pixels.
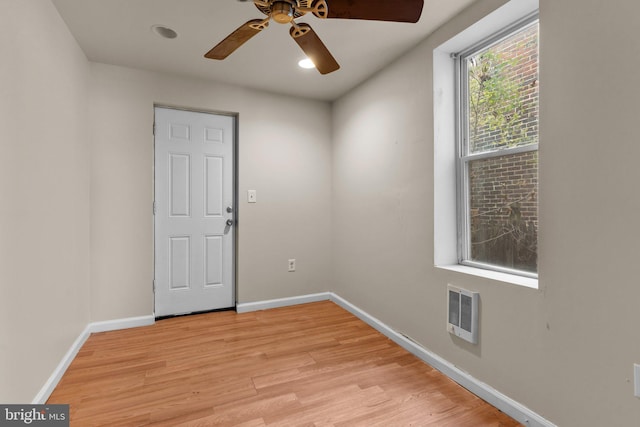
[{"x": 462, "y": 314}]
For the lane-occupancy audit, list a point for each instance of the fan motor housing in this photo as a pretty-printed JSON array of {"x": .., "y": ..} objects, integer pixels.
[{"x": 281, "y": 11}]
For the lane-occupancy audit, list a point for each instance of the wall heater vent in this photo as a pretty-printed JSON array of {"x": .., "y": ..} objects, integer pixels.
[{"x": 462, "y": 312}]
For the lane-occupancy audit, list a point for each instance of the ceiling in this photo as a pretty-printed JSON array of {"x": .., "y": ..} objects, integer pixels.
[{"x": 119, "y": 32}]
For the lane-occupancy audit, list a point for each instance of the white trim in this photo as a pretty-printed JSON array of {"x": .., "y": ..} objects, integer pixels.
[
  {"x": 498, "y": 276},
  {"x": 94, "y": 327},
  {"x": 115, "y": 324},
  {"x": 54, "y": 379},
  {"x": 282, "y": 302}
]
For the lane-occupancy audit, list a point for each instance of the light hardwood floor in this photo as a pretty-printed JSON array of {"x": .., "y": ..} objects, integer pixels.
[{"x": 308, "y": 365}]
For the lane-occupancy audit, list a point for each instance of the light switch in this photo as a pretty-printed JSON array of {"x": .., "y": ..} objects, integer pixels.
[{"x": 252, "y": 196}]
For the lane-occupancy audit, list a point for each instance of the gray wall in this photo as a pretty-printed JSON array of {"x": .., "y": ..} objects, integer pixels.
[
  {"x": 44, "y": 195},
  {"x": 566, "y": 350}
]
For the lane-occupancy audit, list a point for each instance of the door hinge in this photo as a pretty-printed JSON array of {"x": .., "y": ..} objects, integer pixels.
[
  {"x": 154, "y": 285},
  {"x": 154, "y": 129},
  {"x": 155, "y": 207}
]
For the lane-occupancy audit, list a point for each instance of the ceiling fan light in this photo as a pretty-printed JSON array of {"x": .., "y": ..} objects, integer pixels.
[
  {"x": 306, "y": 63},
  {"x": 282, "y": 12}
]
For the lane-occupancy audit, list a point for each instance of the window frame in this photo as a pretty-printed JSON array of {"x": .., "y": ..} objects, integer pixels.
[{"x": 463, "y": 158}]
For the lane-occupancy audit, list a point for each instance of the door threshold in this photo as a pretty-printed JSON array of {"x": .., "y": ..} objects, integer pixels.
[{"x": 194, "y": 313}]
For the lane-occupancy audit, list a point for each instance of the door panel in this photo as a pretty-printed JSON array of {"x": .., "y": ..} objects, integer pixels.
[
  {"x": 180, "y": 193},
  {"x": 214, "y": 260},
  {"x": 179, "y": 262},
  {"x": 214, "y": 191},
  {"x": 194, "y": 189}
]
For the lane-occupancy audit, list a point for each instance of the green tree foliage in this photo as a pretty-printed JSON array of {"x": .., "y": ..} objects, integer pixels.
[{"x": 495, "y": 102}]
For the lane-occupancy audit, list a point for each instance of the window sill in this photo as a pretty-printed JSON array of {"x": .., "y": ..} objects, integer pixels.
[{"x": 513, "y": 279}]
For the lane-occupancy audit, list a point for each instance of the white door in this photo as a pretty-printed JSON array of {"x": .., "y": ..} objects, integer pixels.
[{"x": 194, "y": 212}]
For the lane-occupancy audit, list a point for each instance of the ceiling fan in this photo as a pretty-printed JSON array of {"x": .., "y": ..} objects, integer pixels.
[{"x": 286, "y": 11}]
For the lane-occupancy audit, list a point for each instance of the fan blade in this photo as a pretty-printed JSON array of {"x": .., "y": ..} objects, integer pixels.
[
  {"x": 236, "y": 39},
  {"x": 313, "y": 47},
  {"x": 376, "y": 10}
]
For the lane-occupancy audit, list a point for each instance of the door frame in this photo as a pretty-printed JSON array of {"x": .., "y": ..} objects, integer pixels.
[{"x": 236, "y": 211}]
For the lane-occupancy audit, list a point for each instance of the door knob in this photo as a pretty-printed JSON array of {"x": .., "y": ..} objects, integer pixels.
[
  {"x": 229, "y": 222},
  {"x": 229, "y": 209}
]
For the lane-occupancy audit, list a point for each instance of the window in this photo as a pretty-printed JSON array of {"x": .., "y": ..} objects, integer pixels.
[{"x": 497, "y": 151}]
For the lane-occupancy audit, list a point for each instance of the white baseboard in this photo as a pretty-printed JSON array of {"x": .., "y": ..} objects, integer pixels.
[
  {"x": 282, "y": 302},
  {"x": 54, "y": 379},
  {"x": 108, "y": 325},
  {"x": 114, "y": 325},
  {"x": 507, "y": 405}
]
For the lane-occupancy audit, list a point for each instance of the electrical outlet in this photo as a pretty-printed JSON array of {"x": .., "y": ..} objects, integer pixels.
[
  {"x": 292, "y": 265},
  {"x": 636, "y": 380}
]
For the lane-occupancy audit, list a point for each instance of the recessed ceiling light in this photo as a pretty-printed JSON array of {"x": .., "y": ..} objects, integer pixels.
[
  {"x": 164, "y": 32},
  {"x": 306, "y": 63}
]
